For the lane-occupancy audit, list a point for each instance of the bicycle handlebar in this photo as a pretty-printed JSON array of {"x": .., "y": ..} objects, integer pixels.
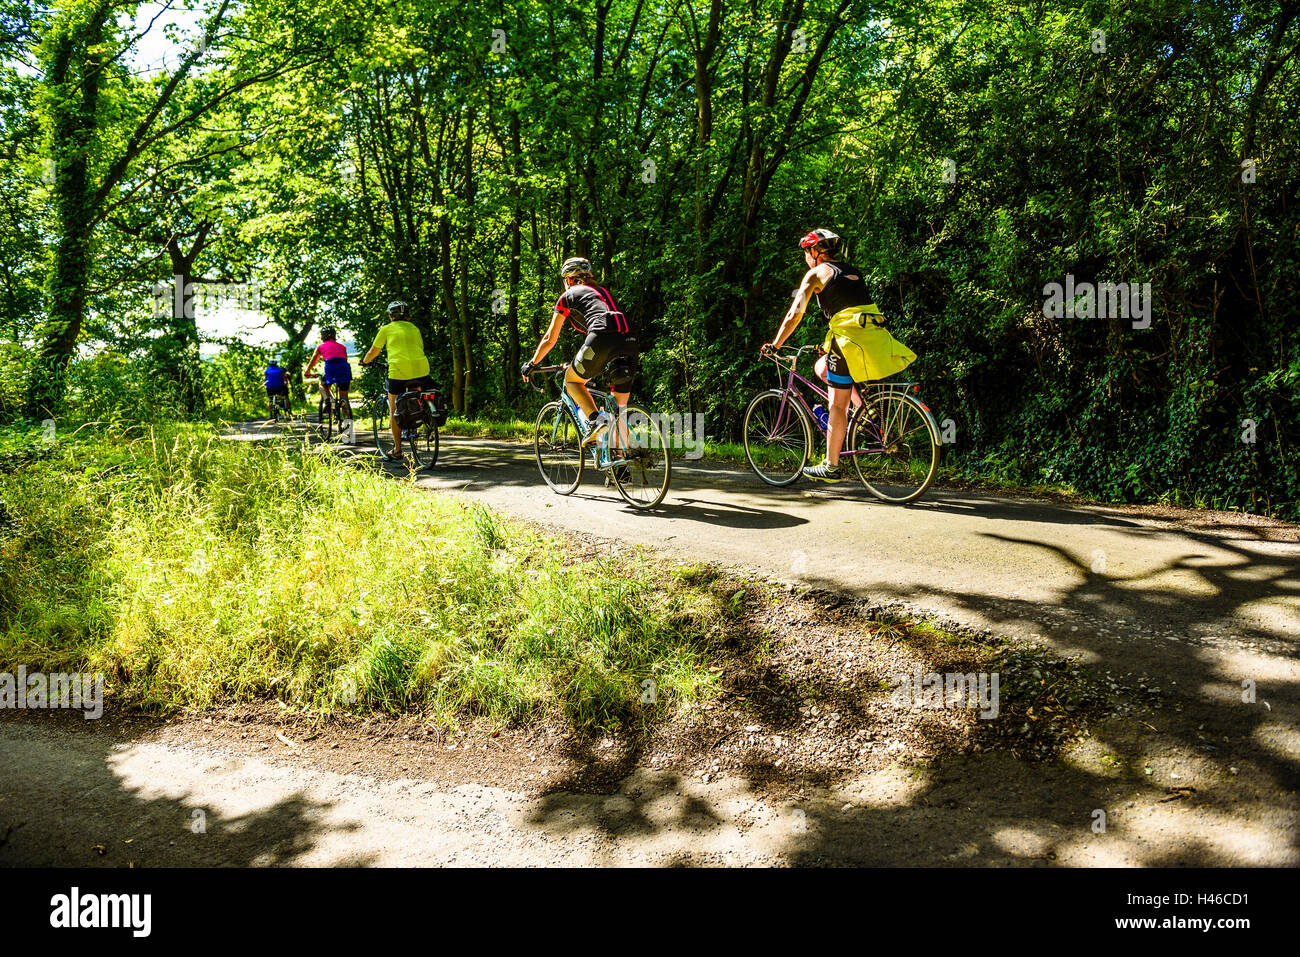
[
  {"x": 536, "y": 369},
  {"x": 791, "y": 356}
]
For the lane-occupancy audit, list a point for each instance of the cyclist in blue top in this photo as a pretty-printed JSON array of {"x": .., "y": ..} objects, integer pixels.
[{"x": 277, "y": 383}]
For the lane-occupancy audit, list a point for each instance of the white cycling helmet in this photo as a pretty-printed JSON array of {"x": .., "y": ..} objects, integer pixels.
[{"x": 575, "y": 265}]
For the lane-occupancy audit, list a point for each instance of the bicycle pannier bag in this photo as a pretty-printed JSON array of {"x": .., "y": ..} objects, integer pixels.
[
  {"x": 439, "y": 408},
  {"x": 408, "y": 410}
]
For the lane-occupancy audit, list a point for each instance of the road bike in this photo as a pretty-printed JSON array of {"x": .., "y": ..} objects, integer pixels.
[
  {"x": 892, "y": 439},
  {"x": 633, "y": 452}
]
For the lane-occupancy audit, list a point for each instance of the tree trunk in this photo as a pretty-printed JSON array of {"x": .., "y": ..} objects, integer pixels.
[
  {"x": 75, "y": 104},
  {"x": 453, "y": 315},
  {"x": 516, "y": 225},
  {"x": 180, "y": 347},
  {"x": 467, "y": 325},
  {"x": 542, "y": 301}
]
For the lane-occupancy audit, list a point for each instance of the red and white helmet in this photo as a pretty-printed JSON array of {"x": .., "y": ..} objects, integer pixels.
[{"x": 822, "y": 239}]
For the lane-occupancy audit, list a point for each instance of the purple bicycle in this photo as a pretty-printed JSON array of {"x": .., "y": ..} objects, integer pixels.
[{"x": 892, "y": 438}]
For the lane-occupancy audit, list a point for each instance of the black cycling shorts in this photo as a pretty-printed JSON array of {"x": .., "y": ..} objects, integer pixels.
[
  {"x": 283, "y": 390},
  {"x": 398, "y": 386},
  {"x": 837, "y": 368},
  {"x": 600, "y": 348}
]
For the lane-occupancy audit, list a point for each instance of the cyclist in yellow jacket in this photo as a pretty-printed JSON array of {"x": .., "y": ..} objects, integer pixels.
[
  {"x": 408, "y": 367},
  {"x": 858, "y": 346}
]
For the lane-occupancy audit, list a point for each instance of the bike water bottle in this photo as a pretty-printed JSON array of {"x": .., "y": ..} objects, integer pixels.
[{"x": 823, "y": 417}]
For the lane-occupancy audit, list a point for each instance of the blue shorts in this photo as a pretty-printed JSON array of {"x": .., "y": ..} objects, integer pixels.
[{"x": 336, "y": 372}]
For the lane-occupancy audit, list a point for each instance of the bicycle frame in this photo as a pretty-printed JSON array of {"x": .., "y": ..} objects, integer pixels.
[
  {"x": 789, "y": 391},
  {"x": 599, "y": 451}
]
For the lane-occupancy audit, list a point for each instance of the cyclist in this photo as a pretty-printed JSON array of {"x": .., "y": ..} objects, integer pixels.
[
  {"x": 408, "y": 368},
  {"x": 610, "y": 341},
  {"x": 277, "y": 383},
  {"x": 337, "y": 372},
  {"x": 856, "y": 351}
]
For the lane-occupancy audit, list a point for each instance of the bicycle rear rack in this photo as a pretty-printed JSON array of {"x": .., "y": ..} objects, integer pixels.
[{"x": 894, "y": 388}]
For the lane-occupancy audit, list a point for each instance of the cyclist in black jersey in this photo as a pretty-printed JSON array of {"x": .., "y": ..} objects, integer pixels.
[
  {"x": 837, "y": 285},
  {"x": 610, "y": 341}
]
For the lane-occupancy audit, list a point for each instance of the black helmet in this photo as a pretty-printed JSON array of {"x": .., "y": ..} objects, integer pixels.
[
  {"x": 328, "y": 333},
  {"x": 823, "y": 239},
  {"x": 575, "y": 265},
  {"x": 398, "y": 310}
]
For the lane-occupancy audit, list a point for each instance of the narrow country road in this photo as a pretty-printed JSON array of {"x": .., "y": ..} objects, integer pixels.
[{"x": 1082, "y": 576}]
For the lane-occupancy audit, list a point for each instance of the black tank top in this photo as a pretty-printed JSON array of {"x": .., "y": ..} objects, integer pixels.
[{"x": 846, "y": 288}]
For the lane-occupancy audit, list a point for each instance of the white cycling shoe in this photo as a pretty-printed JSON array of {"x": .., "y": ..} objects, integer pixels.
[{"x": 597, "y": 428}]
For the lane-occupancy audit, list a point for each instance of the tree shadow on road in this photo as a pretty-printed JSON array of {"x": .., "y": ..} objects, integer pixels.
[
  {"x": 70, "y": 801},
  {"x": 1189, "y": 775}
]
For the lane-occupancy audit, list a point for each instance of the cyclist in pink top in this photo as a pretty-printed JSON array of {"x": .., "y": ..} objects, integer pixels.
[{"x": 338, "y": 371}]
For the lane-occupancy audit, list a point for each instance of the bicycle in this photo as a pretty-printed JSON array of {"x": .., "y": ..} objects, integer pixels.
[
  {"x": 892, "y": 438},
  {"x": 280, "y": 409},
  {"x": 420, "y": 438},
  {"x": 329, "y": 410},
  {"x": 641, "y": 467}
]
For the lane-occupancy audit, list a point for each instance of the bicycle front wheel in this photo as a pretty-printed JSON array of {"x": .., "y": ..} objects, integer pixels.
[
  {"x": 557, "y": 446},
  {"x": 642, "y": 442},
  {"x": 895, "y": 447},
  {"x": 778, "y": 437}
]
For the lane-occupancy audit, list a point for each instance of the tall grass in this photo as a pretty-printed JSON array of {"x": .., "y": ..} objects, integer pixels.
[{"x": 194, "y": 570}]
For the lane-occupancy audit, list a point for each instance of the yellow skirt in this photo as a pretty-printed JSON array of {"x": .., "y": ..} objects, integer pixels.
[{"x": 870, "y": 350}]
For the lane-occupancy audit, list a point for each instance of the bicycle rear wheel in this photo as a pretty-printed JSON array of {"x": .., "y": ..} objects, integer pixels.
[
  {"x": 420, "y": 446},
  {"x": 896, "y": 446},
  {"x": 328, "y": 421},
  {"x": 347, "y": 426},
  {"x": 643, "y": 481},
  {"x": 557, "y": 446},
  {"x": 336, "y": 419},
  {"x": 778, "y": 437}
]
